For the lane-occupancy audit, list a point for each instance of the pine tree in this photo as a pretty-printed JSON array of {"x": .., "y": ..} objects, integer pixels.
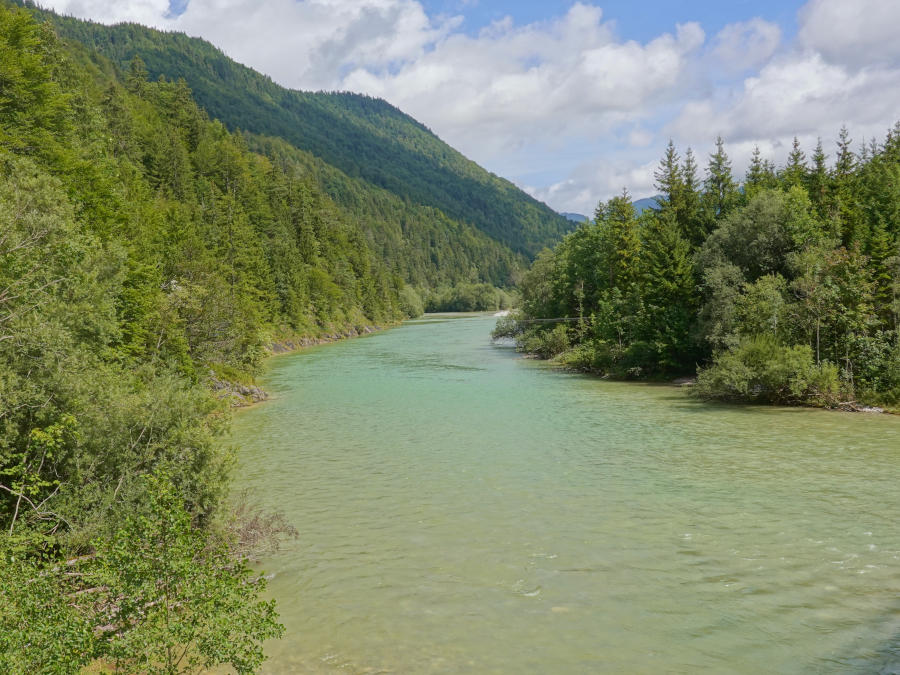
[
  {"x": 668, "y": 179},
  {"x": 720, "y": 191},
  {"x": 137, "y": 75},
  {"x": 817, "y": 180},
  {"x": 845, "y": 162},
  {"x": 794, "y": 172},
  {"x": 689, "y": 219},
  {"x": 760, "y": 175},
  {"x": 621, "y": 240}
]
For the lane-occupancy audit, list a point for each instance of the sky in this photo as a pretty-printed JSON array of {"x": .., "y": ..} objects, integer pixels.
[{"x": 573, "y": 101}]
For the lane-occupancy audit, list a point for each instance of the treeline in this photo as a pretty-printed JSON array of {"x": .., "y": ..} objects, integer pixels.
[
  {"x": 469, "y": 298},
  {"x": 141, "y": 243},
  {"x": 367, "y": 139},
  {"x": 783, "y": 288}
]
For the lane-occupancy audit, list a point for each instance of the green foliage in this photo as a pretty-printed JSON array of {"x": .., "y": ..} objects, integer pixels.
[
  {"x": 788, "y": 292},
  {"x": 762, "y": 370},
  {"x": 468, "y": 298},
  {"x": 157, "y": 596},
  {"x": 41, "y": 629},
  {"x": 363, "y": 137},
  {"x": 178, "y": 601},
  {"x": 411, "y": 302},
  {"x": 425, "y": 247},
  {"x": 546, "y": 343}
]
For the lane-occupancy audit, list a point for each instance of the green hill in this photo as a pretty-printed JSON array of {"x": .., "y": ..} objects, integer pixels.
[{"x": 364, "y": 137}]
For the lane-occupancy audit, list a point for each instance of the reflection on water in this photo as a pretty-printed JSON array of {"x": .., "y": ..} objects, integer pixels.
[{"x": 464, "y": 510}]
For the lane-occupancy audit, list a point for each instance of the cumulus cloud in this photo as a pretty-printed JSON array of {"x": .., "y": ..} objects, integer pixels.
[
  {"x": 565, "y": 105},
  {"x": 853, "y": 32},
  {"x": 597, "y": 180},
  {"x": 524, "y": 84},
  {"x": 314, "y": 43},
  {"x": 148, "y": 12},
  {"x": 746, "y": 44},
  {"x": 795, "y": 95}
]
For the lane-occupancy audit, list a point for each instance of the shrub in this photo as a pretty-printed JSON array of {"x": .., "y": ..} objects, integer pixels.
[
  {"x": 545, "y": 343},
  {"x": 411, "y": 303},
  {"x": 761, "y": 370}
]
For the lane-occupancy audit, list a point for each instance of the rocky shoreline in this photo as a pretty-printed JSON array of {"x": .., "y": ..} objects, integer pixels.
[
  {"x": 288, "y": 346},
  {"x": 246, "y": 395}
]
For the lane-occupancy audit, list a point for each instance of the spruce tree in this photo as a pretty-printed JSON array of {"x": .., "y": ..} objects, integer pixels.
[
  {"x": 689, "y": 219},
  {"x": 794, "y": 172},
  {"x": 759, "y": 175},
  {"x": 720, "y": 191},
  {"x": 621, "y": 240},
  {"x": 137, "y": 75},
  {"x": 817, "y": 180},
  {"x": 669, "y": 287},
  {"x": 668, "y": 179},
  {"x": 845, "y": 162}
]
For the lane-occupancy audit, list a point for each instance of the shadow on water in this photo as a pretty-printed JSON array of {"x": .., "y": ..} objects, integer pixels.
[{"x": 883, "y": 660}]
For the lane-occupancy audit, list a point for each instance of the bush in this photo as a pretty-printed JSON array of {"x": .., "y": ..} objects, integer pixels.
[
  {"x": 545, "y": 343},
  {"x": 411, "y": 303},
  {"x": 594, "y": 356},
  {"x": 761, "y": 370}
]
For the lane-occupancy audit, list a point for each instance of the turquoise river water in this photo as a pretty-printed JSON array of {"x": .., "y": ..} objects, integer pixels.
[{"x": 462, "y": 509}]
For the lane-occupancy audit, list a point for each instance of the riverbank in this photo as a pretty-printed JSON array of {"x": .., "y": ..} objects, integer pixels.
[
  {"x": 565, "y": 363},
  {"x": 241, "y": 389}
]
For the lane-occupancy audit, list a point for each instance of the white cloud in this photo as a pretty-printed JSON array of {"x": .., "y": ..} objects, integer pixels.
[
  {"x": 595, "y": 181},
  {"x": 526, "y": 84},
  {"x": 148, "y": 12},
  {"x": 797, "y": 94},
  {"x": 853, "y": 32},
  {"x": 565, "y": 104},
  {"x": 744, "y": 45},
  {"x": 312, "y": 44}
]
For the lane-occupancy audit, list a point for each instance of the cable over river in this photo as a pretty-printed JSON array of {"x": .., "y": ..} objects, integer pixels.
[{"x": 464, "y": 510}]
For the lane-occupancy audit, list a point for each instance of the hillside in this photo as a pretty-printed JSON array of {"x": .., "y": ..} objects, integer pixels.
[{"x": 364, "y": 137}]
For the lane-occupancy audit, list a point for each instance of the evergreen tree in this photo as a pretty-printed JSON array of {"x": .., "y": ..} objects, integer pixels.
[
  {"x": 669, "y": 284},
  {"x": 668, "y": 180},
  {"x": 137, "y": 75},
  {"x": 817, "y": 180},
  {"x": 794, "y": 172},
  {"x": 760, "y": 175},
  {"x": 690, "y": 219},
  {"x": 619, "y": 231},
  {"x": 720, "y": 194},
  {"x": 846, "y": 161}
]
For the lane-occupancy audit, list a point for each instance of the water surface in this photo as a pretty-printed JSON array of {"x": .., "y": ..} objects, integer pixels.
[{"x": 464, "y": 510}]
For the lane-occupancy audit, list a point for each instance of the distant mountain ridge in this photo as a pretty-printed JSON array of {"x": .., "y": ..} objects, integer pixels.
[
  {"x": 640, "y": 206},
  {"x": 364, "y": 137}
]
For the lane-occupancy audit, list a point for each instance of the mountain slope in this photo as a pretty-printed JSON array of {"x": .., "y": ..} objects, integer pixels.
[{"x": 366, "y": 138}]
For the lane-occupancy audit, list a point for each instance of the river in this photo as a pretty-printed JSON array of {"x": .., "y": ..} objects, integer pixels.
[{"x": 462, "y": 509}]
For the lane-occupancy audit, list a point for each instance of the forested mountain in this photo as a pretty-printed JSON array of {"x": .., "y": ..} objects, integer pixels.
[
  {"x": 364, "y": 137},
  {"x": 783, "y": 288},
  {"x": 143, "y": 246}
]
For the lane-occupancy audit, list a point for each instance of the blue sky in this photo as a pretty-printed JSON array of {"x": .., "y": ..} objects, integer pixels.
[
  {"x": 573, "y": 100},
  {"x": 635, "y": 19}
]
